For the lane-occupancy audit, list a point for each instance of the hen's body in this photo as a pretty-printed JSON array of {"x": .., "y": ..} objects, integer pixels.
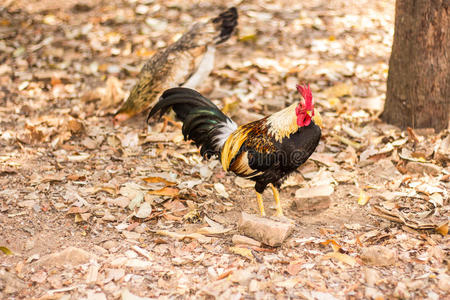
[
  {"x": 174, "y": 65},
  {"x": 265, "y": 151}
]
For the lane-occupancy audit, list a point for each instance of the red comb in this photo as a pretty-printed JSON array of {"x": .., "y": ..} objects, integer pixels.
[{"x": 306, "y": 94}]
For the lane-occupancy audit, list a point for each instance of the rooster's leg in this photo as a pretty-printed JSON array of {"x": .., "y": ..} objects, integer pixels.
[
  {"x": 276, "y": 195},
  {"x": 260, "y": 204}
]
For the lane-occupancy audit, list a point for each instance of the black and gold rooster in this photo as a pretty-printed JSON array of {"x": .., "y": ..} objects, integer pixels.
[{"x": 265, "y": 151}]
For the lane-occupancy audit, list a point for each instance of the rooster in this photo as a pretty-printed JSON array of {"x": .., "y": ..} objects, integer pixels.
[
  {"x": 174, "y": 65},
  {"x": 265, "y": 151}
]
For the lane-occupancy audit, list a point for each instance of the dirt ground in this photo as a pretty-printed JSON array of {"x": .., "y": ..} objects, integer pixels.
[{"x": 93, "y": 211}]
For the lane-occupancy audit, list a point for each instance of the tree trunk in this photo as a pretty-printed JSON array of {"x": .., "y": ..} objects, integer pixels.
[{"x": 418, "y": 85}]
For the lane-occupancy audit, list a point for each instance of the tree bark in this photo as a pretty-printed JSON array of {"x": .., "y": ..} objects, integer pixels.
[{"x": 418, "y": 85}]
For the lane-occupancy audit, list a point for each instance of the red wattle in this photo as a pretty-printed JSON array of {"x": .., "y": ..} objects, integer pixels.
[{"x": 303, "y": 120}]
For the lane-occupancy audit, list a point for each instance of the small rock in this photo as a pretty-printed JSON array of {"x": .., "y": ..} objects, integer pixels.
[
  {"x": 444, "y": 282},
  {"x": 313, "y": 192},
  {"x": 69, "y": 256},
  {"x": 240, "y": 239},
  {"x": 267, "y": 231},
  {"x": 317, "y": 197},
  {"x": 423, "y": 168},
  {"x": 401, "y": 291},
  {"x": 378, "y": 256},
  {"x": 371, "y": 276}
]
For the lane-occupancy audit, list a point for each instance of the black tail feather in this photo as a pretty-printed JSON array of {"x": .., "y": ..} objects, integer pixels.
[
  {"x": 201, "y": 118},
  {"x": 227, "y": 21}
]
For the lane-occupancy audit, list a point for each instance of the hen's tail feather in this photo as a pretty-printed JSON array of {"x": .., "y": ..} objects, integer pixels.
[
  {"x": 202, "y": 119},
  {"x": 227, "y": 22}
]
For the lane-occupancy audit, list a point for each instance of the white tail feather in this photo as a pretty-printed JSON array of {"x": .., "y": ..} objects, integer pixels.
[{"x": 226, "y": 129}]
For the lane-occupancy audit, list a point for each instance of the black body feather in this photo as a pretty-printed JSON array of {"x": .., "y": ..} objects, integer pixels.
[{"x": 291, "y": 153}]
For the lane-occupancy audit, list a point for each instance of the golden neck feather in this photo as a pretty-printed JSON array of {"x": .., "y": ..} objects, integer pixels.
[{"x": 283, "y": 123}]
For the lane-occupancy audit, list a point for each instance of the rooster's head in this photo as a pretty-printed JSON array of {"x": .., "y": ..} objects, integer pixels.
[{"x": 305, "y": 109}]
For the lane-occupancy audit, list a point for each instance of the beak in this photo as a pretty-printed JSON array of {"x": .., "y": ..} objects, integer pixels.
[{"x": 309, "y": 113}]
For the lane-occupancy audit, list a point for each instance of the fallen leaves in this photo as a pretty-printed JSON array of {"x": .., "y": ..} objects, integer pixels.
[
  {"x": 55, "y": 130},
  {"x": 113, "y": 187},
  {"x": 413, "y": 212}
]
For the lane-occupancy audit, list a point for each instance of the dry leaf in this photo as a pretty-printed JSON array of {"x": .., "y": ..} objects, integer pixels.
[
  {"x": 363, "y": 198},
  {"x": 247, "y": 33},
  {"x": 213, "y": 230},
  {"x": 155, "y": 179},
  {"x": 333, "y": 243},
  {"x": 165, "y": 191},
  {"x": 294, "y": 267},
  {"x": 144, "y": 211},
  {"x": 245, "y": 252},
  {"x": 220, "y": 188},
  {"x": 339, "y": 90},
  {"x": 341, "y": 257},
  {"x": 113, "y": 93},
  {"x": 180, "y": 236},
  {"x": 443, "y": 229},
  {"x": 110, "y": 190}
]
